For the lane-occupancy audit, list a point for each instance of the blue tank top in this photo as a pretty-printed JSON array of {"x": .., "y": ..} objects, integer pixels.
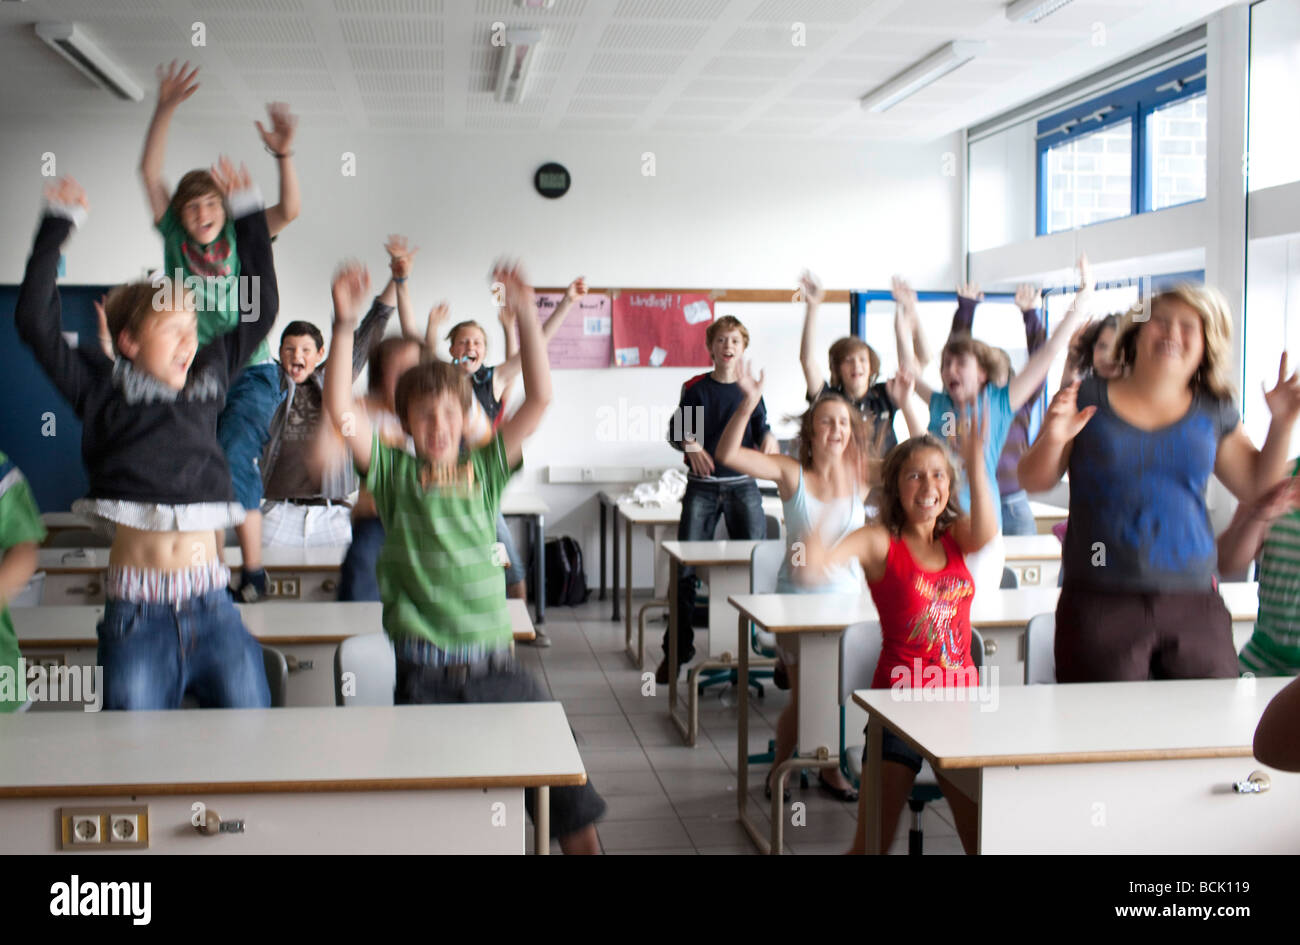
[{"x": 839, "y": 518}]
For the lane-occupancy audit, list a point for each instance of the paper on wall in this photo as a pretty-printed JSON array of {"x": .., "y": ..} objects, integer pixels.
[
  {"x": 697, "y": 312},
  {"x": 657, "y": 357},
  {"x": 627, "y": 357},
  {"x": 596, "y": 325}
]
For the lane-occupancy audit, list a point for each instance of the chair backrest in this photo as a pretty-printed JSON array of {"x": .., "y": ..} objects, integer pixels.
[
  {"x": 1009, "y": 580},
  {"x": 773, "y": 527},
  {"x": 30, "y": 596},
  {"x": 1040, "y": 650},
  {"x": 765, "y": 565},
  {"x": 370, "y": 666},
  {"x": 277, "y": 675},
  {"x": 860, "y": 647}
]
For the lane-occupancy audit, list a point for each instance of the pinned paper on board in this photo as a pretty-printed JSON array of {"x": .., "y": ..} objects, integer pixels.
[
  {"x": 665, "y": 329},
  {"x": 596, "y": 325},
  {"x": 627, "y": 357},
  {"x": 585, "y": 340}
]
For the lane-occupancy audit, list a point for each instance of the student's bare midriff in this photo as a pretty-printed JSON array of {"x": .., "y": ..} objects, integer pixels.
[{"x": 161, "y": 551}]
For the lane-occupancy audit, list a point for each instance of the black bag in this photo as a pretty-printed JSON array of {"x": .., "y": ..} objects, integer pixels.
[{"x": 566, "y": 581}]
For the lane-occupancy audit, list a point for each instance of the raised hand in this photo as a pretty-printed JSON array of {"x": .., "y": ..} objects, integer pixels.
[
  {"x": 175, "y": 84},
  {"x": 970, "y": 290},
  {"x": 68, "y": 192},
  {"x": 904, "y": 295},
  {"x": 397, "y": 247},
  {"x": 750, "y": 384},
  {"x": 438, "y": 314},
  {"x": 350, "y": 287},
  {"x": 1284, "y": 399},
  {"x": 973, "y": 433},
  {"x": 1028, "y": 297},
  {"x": 1277, "y": 501},
  {"x": 228, "y": 178},
  {"x": 900, "y": 387},
  {"x": 577, "y": 289},
  {"x": 279, "y": 138},
  {"x": 813, "y": 291},
  {"x": 519, "y": 291},
  {"x": 1085, "y": 274},
  {"x": 105, "y": 336},
  {"x": 1064, "y": 419}
]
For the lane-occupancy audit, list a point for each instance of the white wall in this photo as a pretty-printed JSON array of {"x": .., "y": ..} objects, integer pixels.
[{"x": 719, "y": 213}]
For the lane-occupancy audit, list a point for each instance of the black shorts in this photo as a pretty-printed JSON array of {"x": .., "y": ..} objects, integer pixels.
[
  {"x": 895, "y": 749},
  {"x": 572, "y": 808}
]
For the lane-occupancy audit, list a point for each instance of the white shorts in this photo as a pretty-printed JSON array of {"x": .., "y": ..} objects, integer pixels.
[{"x": 306, "y": 526}]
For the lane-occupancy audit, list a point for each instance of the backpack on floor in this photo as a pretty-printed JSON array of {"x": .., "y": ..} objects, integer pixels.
[{"x": 566, "y": 581}]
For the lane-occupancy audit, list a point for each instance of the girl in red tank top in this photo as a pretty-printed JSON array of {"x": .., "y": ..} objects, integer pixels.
[{"x": 913, "y": 559}]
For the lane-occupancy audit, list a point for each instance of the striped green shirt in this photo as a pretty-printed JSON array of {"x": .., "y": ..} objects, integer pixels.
[
  {"x": 1274, "y": 648},
  {"x": 20, "y": 522},
  {"x": 440, "y": 577}
]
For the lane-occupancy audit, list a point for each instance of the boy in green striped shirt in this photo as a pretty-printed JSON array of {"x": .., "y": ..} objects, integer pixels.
[
  {"x": 440, "y": 574},
  {"x": 1270, "y": 527},
  {"x": 21, "y": 533}
]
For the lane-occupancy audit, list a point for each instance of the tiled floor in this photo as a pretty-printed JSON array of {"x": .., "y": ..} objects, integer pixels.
[{"x": 664, "y": 797}]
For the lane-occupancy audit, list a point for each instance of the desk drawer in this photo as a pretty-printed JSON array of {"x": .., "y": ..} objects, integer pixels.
[
  {"x": 1004, "y": 648},
  {"x": 73, "y": 588},
  {"x": 286, "y": 584},
  {"x": 1176, "y": 806}
]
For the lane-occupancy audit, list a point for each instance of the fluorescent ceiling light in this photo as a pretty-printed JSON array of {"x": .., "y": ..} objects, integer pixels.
[
  {"x": 516, "y": 64},
  {"x": 1031, "y": 11},
  {"x": 535, "y": 4},
  {"x": 68, "y": 40},
  {"x": 917, "y": 77}
]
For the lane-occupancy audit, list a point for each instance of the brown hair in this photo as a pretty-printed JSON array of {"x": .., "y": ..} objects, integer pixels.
[
  {"x": 961, "y": 344},
  {"x": 128, "y": 307},
  {"x": 460, "y": 326},
  {"x": 892, "y": 515},
  {"x": 857, "y": 428},
  {"x": 431, "y": 378},
  {"x": 381, "y": 354},
  {"x": 193, "y": 185},
  {"x": 725, "y": 323},
  {"x": 1081, "y": 353},
  {"x": 845, "y": 348},
  {"x": 1212, "y": 376}
]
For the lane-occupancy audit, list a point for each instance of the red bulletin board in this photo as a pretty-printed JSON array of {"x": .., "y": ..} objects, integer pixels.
[{"x": 661, "y": 329}]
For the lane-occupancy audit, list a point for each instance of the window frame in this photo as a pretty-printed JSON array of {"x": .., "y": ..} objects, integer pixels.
[{"x": 1132, "y": 103}]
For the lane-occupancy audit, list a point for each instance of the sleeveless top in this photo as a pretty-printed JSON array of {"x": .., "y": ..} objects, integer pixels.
[
  {"x": 839, "y": 518},
  {"x": 924, "y": 620}
]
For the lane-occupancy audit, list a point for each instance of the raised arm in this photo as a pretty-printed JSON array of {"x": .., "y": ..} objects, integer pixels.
[
  {"x": 371, "y": 329},
  {"x": 259, "y": 295},
  {"x": 757, "y": 463},
  {"x": 901, "y": 387},
  {"x": 906, "y": 329},
  {"x": 980, "y": 525},
  {"x": 508, "y": 329},
  {"x": 175, "y": 85},
  {"x": 809, "y": 356},
  {"x": 1244, "y": 536},
  {"x": 1024, "y": 385},
  {"x": 351, "y": 285},
  {"x": 401, "y": 260},
  {"x": 1045, "y": 462},
  {"x": 278, "y": 140},
  {"x": 535, "y": 364},
  {"x": 508, "y": 369},
  {"x": 37, "y": 312},
  {"x": 1246, "y": 471},
  {"x": 963, "y": 319}
]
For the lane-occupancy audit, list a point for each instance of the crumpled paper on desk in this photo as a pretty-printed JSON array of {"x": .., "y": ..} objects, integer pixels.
[{"x": 669, "y": 488}]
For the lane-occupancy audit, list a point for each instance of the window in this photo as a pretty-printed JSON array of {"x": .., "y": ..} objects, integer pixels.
[
  {"x": 1274, "y": 74},
  {"x": 1137, "y": 148}
]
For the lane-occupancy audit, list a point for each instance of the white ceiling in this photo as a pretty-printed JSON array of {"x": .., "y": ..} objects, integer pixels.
[{"x": 660, "y": 66}]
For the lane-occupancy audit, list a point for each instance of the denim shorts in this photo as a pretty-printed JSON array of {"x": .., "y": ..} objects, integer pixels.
[
  {"x": 500, "y": 679},
  {"x": 515, "y": 571},
  {"x": 153, "y": 654},
  {"x": 244, "y": 426},
  {"x": 895, "y": 749}
]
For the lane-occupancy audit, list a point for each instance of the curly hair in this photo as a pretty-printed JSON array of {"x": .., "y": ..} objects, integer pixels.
[
  {"x": 1213, "y": 376},
  {"x": 1081, "y": 352}
]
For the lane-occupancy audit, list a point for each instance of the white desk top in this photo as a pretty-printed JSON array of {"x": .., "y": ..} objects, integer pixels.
[
  {"x": 523, "y": 503},
  {"x": 1043, "y": 510},
  {"x": 705, "y": 553},
  {"x": 1082, "y": 722},
  {"x": 668, "y": 514},
  {"x": 287, "y": 749},
  {"x": 792, "y": 613},
  {"x": 1032, "y": 547},
  {"x": 270, "y": 622}
]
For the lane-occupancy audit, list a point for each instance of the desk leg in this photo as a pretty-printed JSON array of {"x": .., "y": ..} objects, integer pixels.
[
  {"x": 539, "y": 536},
  {"x": 614, "y": 590},
  {"x": 742, "y": 739},
  {"x": 871, "y": 784},
  {"x": 674, "y": 615},
  {"x": 542, "y": 822},
  {"x": 603, "y": 513},
  {"x": 627, "y": 580}
]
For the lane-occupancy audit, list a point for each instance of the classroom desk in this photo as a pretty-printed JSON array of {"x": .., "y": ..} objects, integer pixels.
[
  {"x": 409, "y": 779},
  {"x": 1035, "y": 559},
  {"x": 656, "y": 519},
  {"x": 1045, "y": 516},
  {"x": 307, "y": 634},
  {"x": 725, "y": 566},
  {"x": 533, "y": 509},
  {"x": 1138, "y": 767}
]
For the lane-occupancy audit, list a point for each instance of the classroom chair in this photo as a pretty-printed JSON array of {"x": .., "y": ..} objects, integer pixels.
[
  {"x": 859, "y": 653},
  {"x": 30, "y": 596},
  {"x": 764, "y": 566},
  {"x": 1040, "y": 650},
  {"x": 1009, "y": 580},
  {"x": 277, "y": 679},
  {"x": 716, "y": 677},
  {"x": 372, "y": 666}
]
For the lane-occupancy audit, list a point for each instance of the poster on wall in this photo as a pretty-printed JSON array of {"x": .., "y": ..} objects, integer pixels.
[
  {"x": 661, "y": 329},
  {"x": 585, "y": 338}
]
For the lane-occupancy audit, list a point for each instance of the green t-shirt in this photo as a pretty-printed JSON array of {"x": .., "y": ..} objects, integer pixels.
[
  {"x": 20, "y": 521},
  {"x": 216, "y": 266},
  {"x": 440, "y": 578},
  {"x": 1274, "y": 647}
]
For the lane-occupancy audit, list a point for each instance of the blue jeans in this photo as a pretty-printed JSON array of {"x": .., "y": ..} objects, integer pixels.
[
  {"x": 153, "y": 654},
  {"x": 1017, "y": 517},
  {"x": 358, "y": 579},
  {"x": 244, "y": 426},
  {"x": 741, "y": 506},
  {"x": 515, "y": 572}
]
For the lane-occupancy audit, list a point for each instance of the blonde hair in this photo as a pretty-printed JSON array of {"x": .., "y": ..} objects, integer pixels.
[{"x": 1212, "y": 377}]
